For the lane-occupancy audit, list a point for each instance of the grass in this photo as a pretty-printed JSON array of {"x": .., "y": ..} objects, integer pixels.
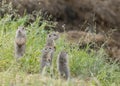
[{"x": 86, "y": 69}]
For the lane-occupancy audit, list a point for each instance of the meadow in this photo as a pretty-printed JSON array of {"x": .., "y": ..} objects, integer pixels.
[{"x": 87, "y": 69}]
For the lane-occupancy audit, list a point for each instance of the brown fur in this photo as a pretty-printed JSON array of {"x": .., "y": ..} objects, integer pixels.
[
  {"x": 20, "y": 42},
  {"x": 62, "y": 64},
  {"x": 47, "y": 56},
  {"x": 51, "y": 39}
]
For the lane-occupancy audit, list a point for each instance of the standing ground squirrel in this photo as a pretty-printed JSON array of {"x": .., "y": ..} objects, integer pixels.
[
  {"x": 47, "y": 55},
  {"x": 20, "y": 42},
  {"x": 51, "y": 39},
  {"x": 62, "y": 64}
]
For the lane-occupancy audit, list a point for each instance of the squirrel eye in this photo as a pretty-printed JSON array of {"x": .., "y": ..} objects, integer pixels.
[
  {"x": 49, "y": 35},
  {"x": 54, "y": 34},
  {"x": 50, "y": 48}
]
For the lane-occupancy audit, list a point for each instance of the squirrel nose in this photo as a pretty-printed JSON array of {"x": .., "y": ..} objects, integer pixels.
[{"x": 19, "y": 31}]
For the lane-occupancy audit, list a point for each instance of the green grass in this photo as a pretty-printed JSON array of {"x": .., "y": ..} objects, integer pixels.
[{"x": 86, "y": 69}]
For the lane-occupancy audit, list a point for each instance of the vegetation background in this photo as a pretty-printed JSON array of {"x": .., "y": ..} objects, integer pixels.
[{"x": 87, "y": 69}]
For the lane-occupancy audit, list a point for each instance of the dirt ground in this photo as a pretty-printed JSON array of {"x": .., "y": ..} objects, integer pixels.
[{"x": 75, "y": 14}]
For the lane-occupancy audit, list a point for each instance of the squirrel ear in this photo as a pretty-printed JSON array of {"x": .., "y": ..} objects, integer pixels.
[
  {"x": 49, "y": 35},
  {"x": 23, "y": 28}
]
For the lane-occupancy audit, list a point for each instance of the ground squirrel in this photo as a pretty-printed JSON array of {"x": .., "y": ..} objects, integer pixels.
[
  {"x": 51, "y": 39},
  {"x": 62, "y": 64},
  {"x": 47, "y": 55},
  {"x": 20, "y": 42}
]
